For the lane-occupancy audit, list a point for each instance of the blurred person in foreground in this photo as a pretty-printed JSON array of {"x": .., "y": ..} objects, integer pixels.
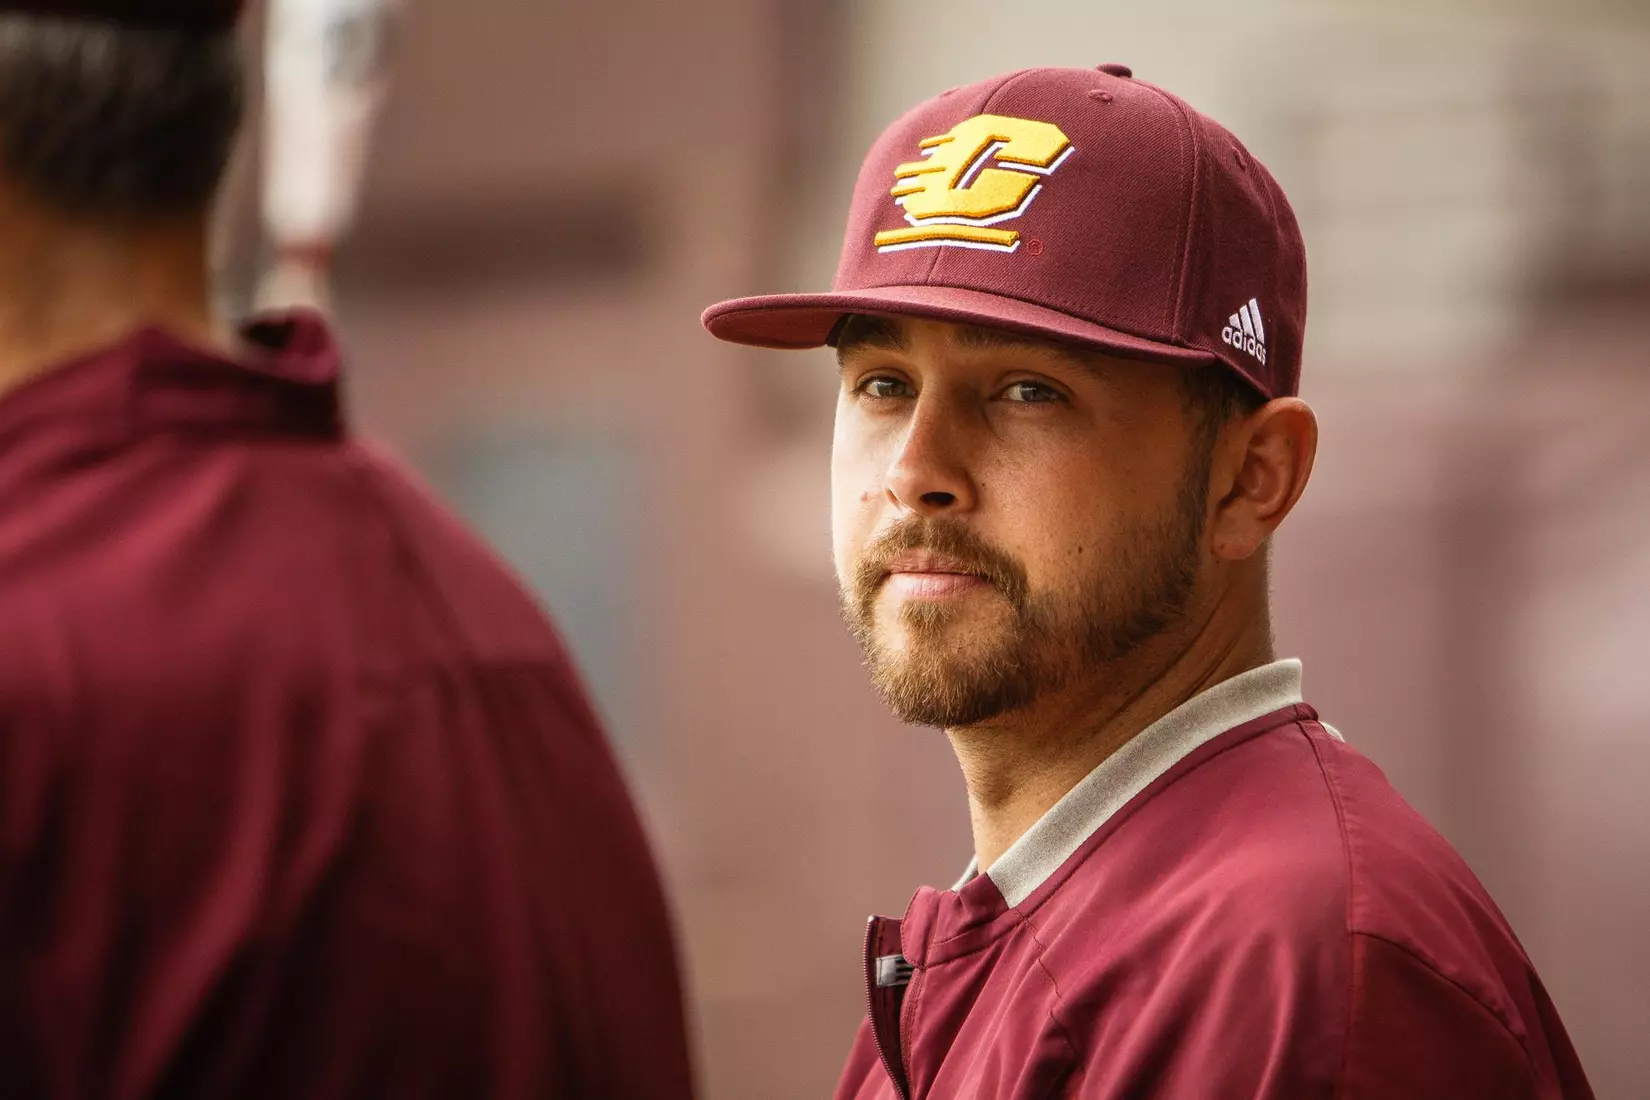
[
  {"x": 299, "y": 793},
  {"x": 1069, "y": 317}
]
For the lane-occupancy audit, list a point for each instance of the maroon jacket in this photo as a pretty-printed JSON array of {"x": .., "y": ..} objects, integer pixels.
[
  {"x": 299, "y": 793},
  {"x": 1235, "y": 905}
]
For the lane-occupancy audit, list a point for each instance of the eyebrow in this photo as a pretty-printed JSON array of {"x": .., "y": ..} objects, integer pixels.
[
  {"x": 979, "y": 338},
  {"x": 861, "y": 331}
]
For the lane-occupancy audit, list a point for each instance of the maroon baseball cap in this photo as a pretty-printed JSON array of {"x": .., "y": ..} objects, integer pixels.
[
  {"x": 202, "y": 15},
  {"x": 1077, "y": 204}
]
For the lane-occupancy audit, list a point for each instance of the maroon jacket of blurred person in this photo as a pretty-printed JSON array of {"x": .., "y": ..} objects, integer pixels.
[
  {"x": 1069, "y": 318},
  {"x": 300, "y": 795}
]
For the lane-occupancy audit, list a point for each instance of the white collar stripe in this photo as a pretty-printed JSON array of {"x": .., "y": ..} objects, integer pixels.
[{"x": 1134, "y": 767}]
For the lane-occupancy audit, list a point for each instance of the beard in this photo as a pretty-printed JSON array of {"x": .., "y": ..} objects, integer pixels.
[{"x": 1050, "y": 639}]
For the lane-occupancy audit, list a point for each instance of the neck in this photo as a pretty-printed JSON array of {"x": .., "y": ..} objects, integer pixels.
[
  {"x": 1019, "y": 765},
  {"x": 69, "y": 287}
]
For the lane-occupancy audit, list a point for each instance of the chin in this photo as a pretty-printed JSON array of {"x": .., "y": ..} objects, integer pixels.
[
  {"x": 949, "y": 702},
  {"x": 950, "y": 620},
  {"x": 935, "y": 682}
]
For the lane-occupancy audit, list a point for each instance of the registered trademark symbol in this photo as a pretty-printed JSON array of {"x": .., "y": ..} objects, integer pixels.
[{"x": 1034, "y": 246}]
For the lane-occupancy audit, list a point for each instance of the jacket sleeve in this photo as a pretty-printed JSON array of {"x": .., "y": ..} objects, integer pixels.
[
  {"x": 1414, "y": 1034},
  {"x": 1257, "y": 1016}
]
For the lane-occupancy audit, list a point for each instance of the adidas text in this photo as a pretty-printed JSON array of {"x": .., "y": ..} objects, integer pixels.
[{"x": 1245, "y": 331}]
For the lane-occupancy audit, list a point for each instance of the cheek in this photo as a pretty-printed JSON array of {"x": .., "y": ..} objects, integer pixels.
[
  {"x": 1070, "y": 544},
  {"x": 1069, "y": 514},
  {"x": 856, "y": 499}
]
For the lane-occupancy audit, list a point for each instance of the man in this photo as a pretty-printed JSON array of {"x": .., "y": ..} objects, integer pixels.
[
  {"x": 1069, "y": 317},
  {"x": 299, "y": 793}
]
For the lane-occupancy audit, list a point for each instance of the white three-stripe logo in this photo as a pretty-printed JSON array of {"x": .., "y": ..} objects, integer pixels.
[{"x": 1245, "y": 330}]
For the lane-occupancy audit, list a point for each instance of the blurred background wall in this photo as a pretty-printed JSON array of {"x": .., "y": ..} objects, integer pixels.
[{"x": 554, "y": 192}]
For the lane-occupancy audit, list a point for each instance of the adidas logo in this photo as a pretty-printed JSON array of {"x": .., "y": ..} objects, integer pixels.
[{"x": 1245, "y": 332}]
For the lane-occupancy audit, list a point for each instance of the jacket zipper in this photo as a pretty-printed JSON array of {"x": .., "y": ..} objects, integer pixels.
[{"x": 889, "y": 972}]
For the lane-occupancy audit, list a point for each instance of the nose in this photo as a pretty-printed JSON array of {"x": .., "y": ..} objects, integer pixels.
[{"x": 929, "y": 475}]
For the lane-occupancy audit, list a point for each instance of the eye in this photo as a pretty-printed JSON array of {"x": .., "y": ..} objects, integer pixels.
[
  {"x": 884, "y": 386},
  {"x": 1031, "y": 393}
]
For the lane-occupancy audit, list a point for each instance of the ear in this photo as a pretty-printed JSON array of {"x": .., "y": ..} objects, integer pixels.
[{"x": 1261, "y": 468}]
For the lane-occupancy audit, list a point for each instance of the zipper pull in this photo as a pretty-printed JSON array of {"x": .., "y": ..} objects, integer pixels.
[{"x": 892, "y": 971}]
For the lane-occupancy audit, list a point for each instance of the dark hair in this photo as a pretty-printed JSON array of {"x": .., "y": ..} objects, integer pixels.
[
  {"x": 109, "y": 121},
  {"x": 1214, "y": 394}
]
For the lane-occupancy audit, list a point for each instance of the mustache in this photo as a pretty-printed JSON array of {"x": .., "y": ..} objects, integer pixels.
[{"x": 951, "y": 538}]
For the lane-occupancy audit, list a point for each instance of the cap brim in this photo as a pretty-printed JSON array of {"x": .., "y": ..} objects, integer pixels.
[{"x": 794, "y": 321}]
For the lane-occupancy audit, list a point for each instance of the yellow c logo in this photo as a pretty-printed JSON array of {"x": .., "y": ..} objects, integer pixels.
[{"x": 951, "y": 198}]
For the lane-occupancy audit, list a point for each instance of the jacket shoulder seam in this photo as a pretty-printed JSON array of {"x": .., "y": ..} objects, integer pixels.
[
  {"x": 1056, "y": 1011},
  {"x": 1427, "y": 965},
  {"x": 1351, "y": 879}
]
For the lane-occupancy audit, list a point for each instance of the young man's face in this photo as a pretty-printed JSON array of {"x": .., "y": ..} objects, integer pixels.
[{"x": 1008, "y": 515}]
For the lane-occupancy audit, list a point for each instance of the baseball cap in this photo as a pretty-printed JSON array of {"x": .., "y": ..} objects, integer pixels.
[
  {"x": 201, "y": 15},
  {"x": 1076, "y": 204}
]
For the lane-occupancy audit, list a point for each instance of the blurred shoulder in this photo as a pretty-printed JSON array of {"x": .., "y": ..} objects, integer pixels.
[{"x": 178, "y": 563}]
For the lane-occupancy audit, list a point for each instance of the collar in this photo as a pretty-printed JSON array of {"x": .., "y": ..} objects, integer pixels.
[
  {"x": 1058, "y": 834},
  {"x": 285, "y": 381}
]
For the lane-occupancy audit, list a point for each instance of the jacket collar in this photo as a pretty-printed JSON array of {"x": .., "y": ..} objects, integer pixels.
[
  {"x": 1131, "y": 769},
  {"x": 285, "y": 380}
]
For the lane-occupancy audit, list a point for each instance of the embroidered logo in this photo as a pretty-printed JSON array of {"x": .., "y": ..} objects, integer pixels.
[
  {"x": 955, "y": 196},
  {"x": 1245, "y": 331}
]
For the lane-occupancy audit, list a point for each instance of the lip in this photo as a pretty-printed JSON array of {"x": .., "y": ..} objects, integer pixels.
[
  {"x": 926, "y": 575},
  {"x": 933, "y": 585},
  {"x": 927, "y": 561}
]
